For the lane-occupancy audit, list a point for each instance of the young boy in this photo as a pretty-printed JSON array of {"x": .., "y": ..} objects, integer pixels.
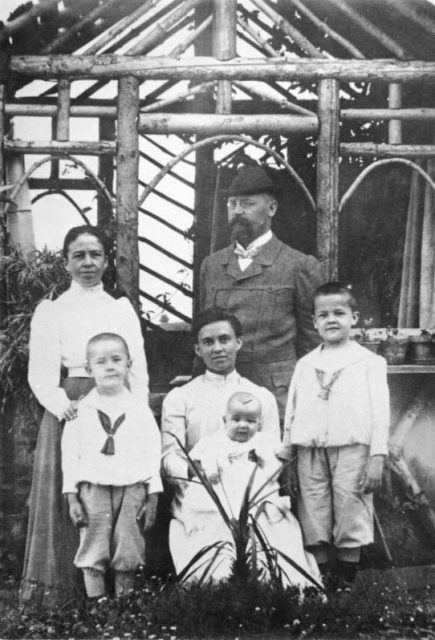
[
  {"x": 336, "y": 431},
  {"x": 110, "y": 464}
]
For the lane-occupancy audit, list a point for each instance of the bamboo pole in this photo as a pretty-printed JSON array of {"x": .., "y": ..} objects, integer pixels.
[
  {"x": 322, "y": 25},
  {"x": 108, "y": 36},
  {"x": 207, "y": 68},
  {"x": 298, "y": 38},
  {"x": 372, "y": 149},
  {"x": 224, "y": 46},
  {"x": 394, "y": 102},
  {"x": 371, "y": 29},
  {"x": 387, "y": 114},
  {"x": 215, "y": 140},
  {"x": 162, "y": 221},
  {"x": 59, "y": 42},
  {"x": 55, "y": 147},
  {"x": 168, "y": 254},
  {"x": 159, "y": 31},
  {"x": 164, "y": 306},
  {"x": 327, "y": 177},
  {"x": 242, "y": 21},
  {"x": 24, "y": 19},
  {"x": 376, "y": 165},
  {"x": 127, "y": 171},
  {"x": 208, "y": 124},
  {"x": 166, "y": 280},
  {"x": 179, "y": 49},
  {"x": 63, "y": 106},
  {"x": 410, "y": 11},
  {"x": 76, "y": 162},
  {"x": 182, "y": 95},
  {"x": 267, "y": 93}
]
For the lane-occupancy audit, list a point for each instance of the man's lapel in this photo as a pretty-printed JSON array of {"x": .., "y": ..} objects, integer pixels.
[{"x": 265, "y": 257}]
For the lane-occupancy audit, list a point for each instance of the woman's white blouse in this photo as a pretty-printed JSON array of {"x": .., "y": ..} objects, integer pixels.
[{"x": 60, "y": 331}]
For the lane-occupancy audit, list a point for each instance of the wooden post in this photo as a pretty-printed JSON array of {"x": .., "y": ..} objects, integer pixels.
[
  {"x": 395, "y": 102},
  {"x": 327, "y": 177},
  {"x": 127, "y": 169},
  {"x": 224, "y": 46},
  {"x": 205, "y": 170},
  {"x": 105, "y": 171}
]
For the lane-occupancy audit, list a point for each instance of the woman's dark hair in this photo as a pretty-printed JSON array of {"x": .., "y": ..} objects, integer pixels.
[
  {"x": 214, "y": 314},
  {"x": 85, "y": 229}
]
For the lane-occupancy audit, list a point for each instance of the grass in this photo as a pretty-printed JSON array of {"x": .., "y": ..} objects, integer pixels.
[{"x": 165, "y": 610}]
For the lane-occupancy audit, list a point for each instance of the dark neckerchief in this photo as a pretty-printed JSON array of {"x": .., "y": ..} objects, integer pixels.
[
  {"x": 109, "y": 446},
  {"x": 325, "y": 389}
]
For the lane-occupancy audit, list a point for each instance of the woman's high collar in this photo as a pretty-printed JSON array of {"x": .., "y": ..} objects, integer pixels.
[{"x": 77, "y": 288}]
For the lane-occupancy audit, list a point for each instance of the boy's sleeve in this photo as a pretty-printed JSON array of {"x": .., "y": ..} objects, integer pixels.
[
  {"x": 380, "y": 401},
  {"x": 70, "y": 446},
  {"x": 174, "y": 463}
]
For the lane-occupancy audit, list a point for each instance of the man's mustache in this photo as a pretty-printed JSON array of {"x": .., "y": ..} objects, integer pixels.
[{"x": 244, "y": 222}]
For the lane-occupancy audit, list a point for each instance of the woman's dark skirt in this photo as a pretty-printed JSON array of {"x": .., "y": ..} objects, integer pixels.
[{"x": 49, "y": 575}]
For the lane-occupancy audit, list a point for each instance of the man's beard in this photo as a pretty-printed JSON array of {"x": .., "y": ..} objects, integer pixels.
[{"x": 241, "y": 231}]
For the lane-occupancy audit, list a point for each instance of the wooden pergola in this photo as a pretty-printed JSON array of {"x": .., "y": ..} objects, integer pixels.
[{"x": 328, "y": 57}]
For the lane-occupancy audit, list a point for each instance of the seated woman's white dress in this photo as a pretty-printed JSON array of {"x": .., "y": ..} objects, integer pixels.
[{"x": 198, "y": 523}]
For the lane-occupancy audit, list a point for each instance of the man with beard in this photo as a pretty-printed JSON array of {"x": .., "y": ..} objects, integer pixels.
[{"x": 268, "y": 285}]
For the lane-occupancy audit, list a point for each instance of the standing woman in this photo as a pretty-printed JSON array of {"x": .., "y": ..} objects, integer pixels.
[{"x": 60, "y": 330}]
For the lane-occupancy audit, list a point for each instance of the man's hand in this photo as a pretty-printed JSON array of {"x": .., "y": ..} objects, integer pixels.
[
  {"x": 373, "y": 476},
  {"x": 148, "y": 511},
  {"x": 76, "y": 511}
]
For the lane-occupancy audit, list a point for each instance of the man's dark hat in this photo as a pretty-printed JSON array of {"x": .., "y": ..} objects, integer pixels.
[{"x": 251, "y": 180}]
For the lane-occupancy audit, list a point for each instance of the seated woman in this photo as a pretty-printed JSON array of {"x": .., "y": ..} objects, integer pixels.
[{"x": 230, "y": 458}]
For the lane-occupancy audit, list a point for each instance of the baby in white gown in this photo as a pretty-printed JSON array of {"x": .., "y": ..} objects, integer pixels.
[{"x": 229, "y": 459}]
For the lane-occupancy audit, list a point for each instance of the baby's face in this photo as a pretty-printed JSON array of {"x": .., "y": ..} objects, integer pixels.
[{"x": 243, "y": 419}]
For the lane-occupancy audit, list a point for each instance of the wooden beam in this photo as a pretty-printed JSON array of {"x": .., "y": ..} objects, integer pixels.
[
  {"x": 371, "y": 149},
  {"x": 54, "y": 147},
  {"x": 127, "y": 172},
  {"x": 284, "y": 25},
  {"x": 208, "y": 68},
  {"x": 44, "y": 110},
  {"x": 394, "y": 102},
  {"x": 327, "y": 177},
  {"x": 224, "y": 46},
  {"x": 210, "y": 124},
  {"x": 63, "y": 106},
  {"x": 166, "y": 253},
  {"x": 61, "y": 184},
  {"x": 2, "y": 176},
  {"x": 166, "y": 280},
  {"x": 388, "y": 114}
]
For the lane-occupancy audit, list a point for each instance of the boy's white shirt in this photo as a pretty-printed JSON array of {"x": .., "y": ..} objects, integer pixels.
[
  {"x": 137, "y": 444},
  {"x": 357, "y": 410}
]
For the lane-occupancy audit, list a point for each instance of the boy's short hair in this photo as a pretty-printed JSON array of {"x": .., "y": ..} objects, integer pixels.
[
  {"x": 102, "y": 337},
  {"x": 214, "y": 314},
  {"x": 335, "y": 288}
]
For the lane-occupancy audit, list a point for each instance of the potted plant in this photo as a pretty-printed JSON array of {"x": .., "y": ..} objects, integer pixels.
[
  {"x": 395, "y": 346},
  {"x": 366, "y": 338},
  {"x": 422, "y": 350}
]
